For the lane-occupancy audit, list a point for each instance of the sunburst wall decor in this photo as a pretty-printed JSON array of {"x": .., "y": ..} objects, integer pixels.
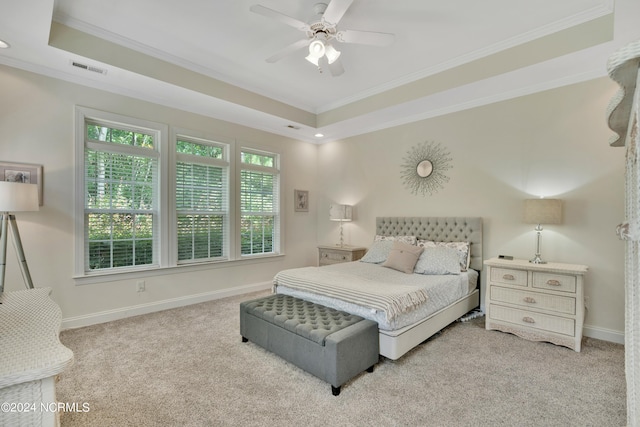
[{"x": 424, "y": 167}]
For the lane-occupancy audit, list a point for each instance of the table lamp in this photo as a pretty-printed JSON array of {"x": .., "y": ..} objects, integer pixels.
[
  {"x": 340, "y": 213},
  {"x": 542, "y": 211}
]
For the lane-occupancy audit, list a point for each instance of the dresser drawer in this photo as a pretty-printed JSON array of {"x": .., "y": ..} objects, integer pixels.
[
  {"x": 329, "y": 256},
  {"x": 560, "y": 304},
  {"x": 509, "y": 276},
  {"x": 531, "y": 320},
  {"x": 555, "y": 282}
]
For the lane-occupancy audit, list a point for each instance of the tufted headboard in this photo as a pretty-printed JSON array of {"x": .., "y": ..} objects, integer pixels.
[{"x": 438, "y": 229}]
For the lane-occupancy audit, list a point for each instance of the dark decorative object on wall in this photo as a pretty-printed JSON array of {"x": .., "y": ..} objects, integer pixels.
[{"x": 424, "y": 166}]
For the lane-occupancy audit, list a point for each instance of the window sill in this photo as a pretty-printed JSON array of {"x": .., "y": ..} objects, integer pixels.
[{"x": 176, "y": 269}]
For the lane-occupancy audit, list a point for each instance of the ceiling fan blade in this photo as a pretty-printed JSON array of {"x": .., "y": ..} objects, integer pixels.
[
  {"x": 288, "y": 50},
  {"x": 365, "y": 37},
  {"x": 270, "y": 13},
  {"x": 336, "y": 68},
  {"x": 335, "y": 11}
]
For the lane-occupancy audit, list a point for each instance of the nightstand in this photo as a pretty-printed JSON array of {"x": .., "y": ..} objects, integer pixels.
[
  {"x": 538, "y": 302},
  {"x": 335, "y": 254}
]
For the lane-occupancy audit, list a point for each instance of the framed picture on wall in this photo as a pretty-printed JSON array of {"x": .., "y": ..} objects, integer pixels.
[
  {"x": 23, "y": 173},
  {"x": 301, "y": 200}
]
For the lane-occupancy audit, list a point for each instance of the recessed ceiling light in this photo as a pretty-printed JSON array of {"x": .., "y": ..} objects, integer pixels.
[
  {"x": 4, "y": 44},
  {"x": 319, "y": 135}
]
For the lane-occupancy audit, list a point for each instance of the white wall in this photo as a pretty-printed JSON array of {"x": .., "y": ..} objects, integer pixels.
[
  {"x": 553, "y": 143},
  {"x": 36, "y": 126}
]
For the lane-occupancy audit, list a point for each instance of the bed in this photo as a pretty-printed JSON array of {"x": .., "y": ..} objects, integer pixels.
[{"x": 430, "y": 303}]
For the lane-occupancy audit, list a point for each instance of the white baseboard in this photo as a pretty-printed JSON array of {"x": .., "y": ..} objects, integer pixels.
[
  {"x": 603, "y": 334},
  {"x": 135, "y": 310}
]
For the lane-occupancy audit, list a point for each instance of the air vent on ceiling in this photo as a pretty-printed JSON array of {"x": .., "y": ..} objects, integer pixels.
[{"x": 88, "y": 67}]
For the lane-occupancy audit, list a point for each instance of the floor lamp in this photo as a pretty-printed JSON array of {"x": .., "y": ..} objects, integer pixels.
[{"x": 15, "y": 197}]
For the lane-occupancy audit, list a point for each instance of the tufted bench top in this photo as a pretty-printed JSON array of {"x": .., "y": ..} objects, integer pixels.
[{"x": 309, "y": 320}]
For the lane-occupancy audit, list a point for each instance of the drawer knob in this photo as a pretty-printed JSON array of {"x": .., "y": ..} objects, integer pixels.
[
  {"x": 553, "y": 282},
  {"x": 529, "y": 300},
  {"x": 509, "y": 277},
  {"x": 528, "y": 320}
]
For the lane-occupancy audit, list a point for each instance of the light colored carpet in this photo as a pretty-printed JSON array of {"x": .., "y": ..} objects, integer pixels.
[{"x": 188, "y": 367}]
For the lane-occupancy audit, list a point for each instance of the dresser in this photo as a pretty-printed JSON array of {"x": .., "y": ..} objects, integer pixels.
[
  {"x": 335, "y": 254},
  {"x": 538, "y": 302},
  {"x": 31, "y": 356}
]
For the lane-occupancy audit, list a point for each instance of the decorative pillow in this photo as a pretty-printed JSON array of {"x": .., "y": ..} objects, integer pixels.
[
  {"x": 403, "y": 257},
  {"x": 438, "y": 260},
  {"x": 378, "y": 252},
  {"x": 409, "y": 240},
  {"x": 462, "y": 247}
]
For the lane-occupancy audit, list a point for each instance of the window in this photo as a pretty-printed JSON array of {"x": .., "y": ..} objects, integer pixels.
[
  {"x": 259, "y": 203},
  {"x": 120, "y": 187},
  {"x": 146, "y": 201},
  {"x": 202, "y": 206}
]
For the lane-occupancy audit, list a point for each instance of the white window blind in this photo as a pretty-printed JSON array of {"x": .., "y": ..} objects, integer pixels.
[
  {"x": 121, "y": 168},
  {"x": 259, "y": 203},
  {"x": 202, "y": 200},
  {"x": 148, "y": 198}
]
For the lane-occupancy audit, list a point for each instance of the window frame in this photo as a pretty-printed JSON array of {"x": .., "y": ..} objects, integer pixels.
[
  {"x": 159, "y": 133},
  {"x": 278, "y": 220},
  {"x": 228, "y": 157},
  {"x": 166, "y": 137}
]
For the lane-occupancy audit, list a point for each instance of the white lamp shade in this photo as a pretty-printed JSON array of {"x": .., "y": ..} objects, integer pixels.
[
  {"x": 316, "y": 49},
  {"x": 543, "y": 211},
  {"x": 332, "y": 53},
  {"x": 340, "y": 213},
  {"x": 312, "y": 59},
  {"x": 18, "y": 197}
]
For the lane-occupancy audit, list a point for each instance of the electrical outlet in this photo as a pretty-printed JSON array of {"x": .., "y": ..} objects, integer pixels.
[{"x": 141, "y": 286}]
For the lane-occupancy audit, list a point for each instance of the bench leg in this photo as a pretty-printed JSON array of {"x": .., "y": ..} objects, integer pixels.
[{"x": 335, "y": 390}]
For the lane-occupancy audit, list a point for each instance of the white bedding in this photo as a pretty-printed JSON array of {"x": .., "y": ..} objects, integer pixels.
[{"x": 441, "y": 291}]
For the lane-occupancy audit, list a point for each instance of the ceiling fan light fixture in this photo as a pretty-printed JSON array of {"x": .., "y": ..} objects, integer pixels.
[
  {"x": 320, "y": 30},
  {"x": 312, "y": 59},
  {"x": 316, "y": 49},
  {"x": 332, "y": 53}
]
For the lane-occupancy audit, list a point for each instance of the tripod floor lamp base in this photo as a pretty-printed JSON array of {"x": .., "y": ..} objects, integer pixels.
[
  {"x": 15, "y": 197},
  {"x": 9, "y": 222}
]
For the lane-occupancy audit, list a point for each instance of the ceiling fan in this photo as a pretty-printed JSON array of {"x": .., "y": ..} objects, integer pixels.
[{"x": 321, "y": 30}]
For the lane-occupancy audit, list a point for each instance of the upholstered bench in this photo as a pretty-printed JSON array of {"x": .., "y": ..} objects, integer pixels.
[{"x": 333, "y": 345}]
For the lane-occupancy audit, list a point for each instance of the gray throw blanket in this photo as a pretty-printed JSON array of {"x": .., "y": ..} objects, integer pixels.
[{"x": 392, "y": 299}]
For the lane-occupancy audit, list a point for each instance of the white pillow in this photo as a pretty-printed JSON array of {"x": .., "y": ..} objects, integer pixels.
[
  {"x": 378, "y": 252},
  {"x": 438, "y": 260},
  {"x": 464, "y": 252}
]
